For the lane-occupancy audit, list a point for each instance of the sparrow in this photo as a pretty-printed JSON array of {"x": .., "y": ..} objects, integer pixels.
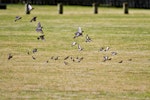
[
  {"x": 10, "y": 56},
  {"x": 28, "y": 53},
  {"x": 52, "y": 57},
  {"x": 80, "y": 59},
  {"x": 120, "y": 61},
  {"x": 88, "y": 39},
  {"x": 101, "y": 49},
  {"x": 56, "y": 58},
  {"x": 66, "y": 63},
  {"x": 33, "y": 58},
  {"x": 129, "y": 59},
  {"x": 66, "y": 58}
]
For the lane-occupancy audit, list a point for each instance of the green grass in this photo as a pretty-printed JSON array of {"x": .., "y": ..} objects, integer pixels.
[{"x": 91, "y": 79}]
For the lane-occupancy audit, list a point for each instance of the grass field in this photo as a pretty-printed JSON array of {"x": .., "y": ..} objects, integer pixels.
[{"x": 23, "y": 78}]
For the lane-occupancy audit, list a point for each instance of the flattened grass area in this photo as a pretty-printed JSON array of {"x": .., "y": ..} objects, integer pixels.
[{"x": 90, "y": 79}]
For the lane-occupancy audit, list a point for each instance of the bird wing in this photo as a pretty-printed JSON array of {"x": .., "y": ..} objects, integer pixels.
[
  {"x": 29, "y": 7},
  {"x": 39, "y": 25},
  {"x": 79, "y": 30}
]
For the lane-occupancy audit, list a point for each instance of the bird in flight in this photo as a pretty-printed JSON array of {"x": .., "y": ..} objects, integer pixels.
[
  {"x": 30, "y": 7},
  {"x": 78, "y": 33},
  {"x": 39, "y": 28},
  {"x": 33, "y": 19}
]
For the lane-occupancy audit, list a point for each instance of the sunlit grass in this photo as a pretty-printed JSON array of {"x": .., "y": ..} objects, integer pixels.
[{"x": 24, "y": 78}]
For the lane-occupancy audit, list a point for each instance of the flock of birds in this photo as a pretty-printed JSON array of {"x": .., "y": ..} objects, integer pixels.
[{"x": 77, "y": 34}]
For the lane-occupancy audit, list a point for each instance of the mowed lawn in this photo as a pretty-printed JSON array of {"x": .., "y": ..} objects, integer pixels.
[{"x": 89, "y": 78}]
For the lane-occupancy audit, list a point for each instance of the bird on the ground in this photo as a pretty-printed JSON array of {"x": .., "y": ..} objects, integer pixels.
[
  {"x": 33, "y": 19},
  {"x": 80, "y": 59},
  {"x": 107, "y": 48},
  {"x": 120, "y": 61},
  {"x": 39, "y": 28},
  {"x": 10, "y": 56},
  {"x": 56, "y": 58},
  {"x": 41, "y": 37},
  {"x": 34, "y": 50},
  {"x": 17, "y": 18},
  {"x": 105, "y": 58},
  {"x": 33, "y": 58},
  {"x": 28, "y": 52},
  {"x": 88, "y": 39},
  {"x": 66, "y": 58},
  {"x": 101, "y": 49},
  {"x": 129, "y": 59},
  {"x": 78, "y": 33},
  {"x": 80, "y": 48},
  {"x": 66, "y": 63},
  {"x": 47, "y": 61},
  {"x": 113, "y": 53},
  {"x": 73, "y": 60},
  {"x": 74, "y": 43},
  {"x": 52, "y": 57}
]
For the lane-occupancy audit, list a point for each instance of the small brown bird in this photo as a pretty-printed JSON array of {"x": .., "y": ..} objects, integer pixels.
[
  {"x": 129, "y": 59},
  {"x": 120, "y": 61},
  {"x": 56, "y": 58},
  {"x": 66, "y": 63},
  {"x": 66, "y": 58},
  {"x": 52, "y": 57},
  {"x": 47, "y": 61},
  {"x": 101, "y": 49},
  {"x": 10, "y": 56},
  {"x": 33, "y": 58},
  {"x": 80, "y": 59},
  {"x": 28, "y": 52}
]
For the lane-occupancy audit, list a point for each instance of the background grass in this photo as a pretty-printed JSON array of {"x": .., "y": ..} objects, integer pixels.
[{"x": 91, "y": 79}]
